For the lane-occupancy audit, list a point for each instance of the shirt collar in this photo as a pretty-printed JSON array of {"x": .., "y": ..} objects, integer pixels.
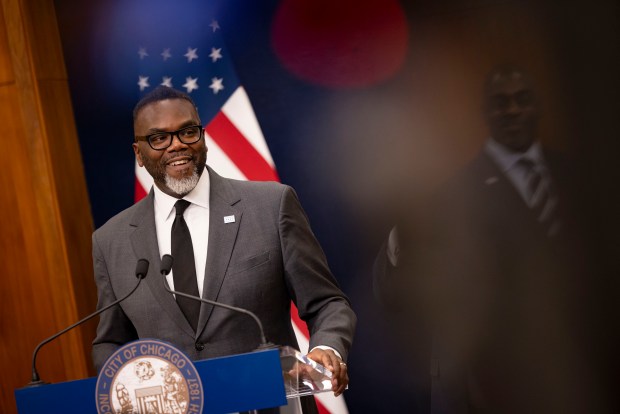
[
  {"x": 506, "y": 158},
  {"x": 164, "y": 203}
]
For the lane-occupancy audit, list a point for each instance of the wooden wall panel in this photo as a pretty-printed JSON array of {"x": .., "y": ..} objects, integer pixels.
[
  {"x": 45, "y": 223},
  {"x": 46, "y": 49},
  {"x": 6, "y": 69},
  {"x": 28, "y": 313},
  {"x": 71, "y": 195}
]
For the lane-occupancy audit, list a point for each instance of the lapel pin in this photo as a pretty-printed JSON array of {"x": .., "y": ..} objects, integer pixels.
[
  {"x": 491, "y": 180},
  {"x": 229, "y": 219}
]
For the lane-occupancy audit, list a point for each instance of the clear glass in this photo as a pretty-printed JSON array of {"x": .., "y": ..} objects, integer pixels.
[{"x": 303, "y": 376}]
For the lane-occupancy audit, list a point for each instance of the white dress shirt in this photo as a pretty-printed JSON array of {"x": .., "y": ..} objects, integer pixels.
[{"x": 197, "y": 218}]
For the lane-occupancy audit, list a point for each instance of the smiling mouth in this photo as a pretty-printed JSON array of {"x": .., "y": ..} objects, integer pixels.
[{"x": 179, "y": 162}]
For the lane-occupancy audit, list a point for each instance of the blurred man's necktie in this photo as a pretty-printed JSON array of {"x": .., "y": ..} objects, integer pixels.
[{"x": 541, "y": 196}]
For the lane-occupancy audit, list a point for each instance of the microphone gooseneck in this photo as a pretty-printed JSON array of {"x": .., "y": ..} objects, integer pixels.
[
  {"x": 166, "y": 266},
  {"x": 142, "y": 268}
]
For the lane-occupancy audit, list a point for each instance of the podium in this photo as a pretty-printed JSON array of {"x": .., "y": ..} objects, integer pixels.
[{"x": 244, "y": 382}]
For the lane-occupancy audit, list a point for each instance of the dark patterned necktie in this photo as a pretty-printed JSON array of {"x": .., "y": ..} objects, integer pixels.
[
  {"x": 183, "y": 267},
  {"x": 541, "y": 197}
]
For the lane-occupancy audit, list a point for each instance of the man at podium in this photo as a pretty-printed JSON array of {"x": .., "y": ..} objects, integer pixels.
[{"x": 245, "y": 244}]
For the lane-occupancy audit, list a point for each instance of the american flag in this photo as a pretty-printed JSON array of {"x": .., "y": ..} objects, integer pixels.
[{"x": 200, "y": 65}]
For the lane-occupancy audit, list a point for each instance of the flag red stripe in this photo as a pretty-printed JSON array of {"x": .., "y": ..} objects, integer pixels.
[
  {"x": 301, "y": 325},
  {"x": 303, "y": 328},
  {"x": 321, "y": 407},
  {"x": 139, "y": 191},
  {"x": 239, "y": 150}
]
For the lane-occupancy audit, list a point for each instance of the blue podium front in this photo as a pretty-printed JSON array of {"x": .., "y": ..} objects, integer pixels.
[{"x": 234, "y": 383}]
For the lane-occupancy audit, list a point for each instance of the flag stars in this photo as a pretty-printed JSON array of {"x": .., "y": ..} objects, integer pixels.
[
  {"x": 143, "y": 82},
  {"x": 166, "y": 54},
  {"x": 142, "y": 53},
  {"x": 216, "y": 54},
  {"x": 191, "y": 54},
  {"x": 214, "y": 25},
  {"x": 216, "y": 85},
  {"x": 190, "y": 84},
  {"x": 166, "y": 81}
]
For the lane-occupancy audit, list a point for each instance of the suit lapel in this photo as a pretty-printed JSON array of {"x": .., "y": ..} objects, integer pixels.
[
  {"x": 496, "y": 180},
  {"x": 223, "y": 202},
  {"x": 144, "y": 242}
]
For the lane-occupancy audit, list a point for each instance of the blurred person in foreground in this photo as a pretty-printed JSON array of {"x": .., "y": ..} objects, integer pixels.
[
  {"x": 486, "y": 281},
  {"x": 252, "y": 247}
]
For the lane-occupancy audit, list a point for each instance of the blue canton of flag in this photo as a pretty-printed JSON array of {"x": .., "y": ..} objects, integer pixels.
[{"x": 197, "y": 64}]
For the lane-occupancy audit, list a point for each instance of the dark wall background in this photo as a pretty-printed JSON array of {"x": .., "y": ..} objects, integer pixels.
[{"x": 366, "y": 108}]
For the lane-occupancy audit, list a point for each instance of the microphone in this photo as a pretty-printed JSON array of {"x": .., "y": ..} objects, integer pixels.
[
  {"x": 166, "y": 266},
  {"x": 141, "y": 270}
]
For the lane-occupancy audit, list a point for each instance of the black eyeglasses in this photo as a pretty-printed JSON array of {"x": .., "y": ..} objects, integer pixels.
[{"x": 161, "y": 140}]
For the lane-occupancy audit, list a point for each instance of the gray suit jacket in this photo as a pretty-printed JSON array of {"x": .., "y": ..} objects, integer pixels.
[{"x": 266, "y": 258}]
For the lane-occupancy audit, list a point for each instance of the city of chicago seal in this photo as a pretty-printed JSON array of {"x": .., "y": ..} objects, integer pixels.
[{"x": 149, "y": 376}]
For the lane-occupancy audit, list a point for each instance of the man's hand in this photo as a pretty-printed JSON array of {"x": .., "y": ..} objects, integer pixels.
[{"x": 332, "y": 362}]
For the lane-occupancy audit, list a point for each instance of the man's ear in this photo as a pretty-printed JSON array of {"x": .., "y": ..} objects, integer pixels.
[{"x": 136, "y": 150}]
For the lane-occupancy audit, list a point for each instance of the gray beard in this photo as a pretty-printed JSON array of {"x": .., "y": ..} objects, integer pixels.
[{"x": 184, "y": 185}]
